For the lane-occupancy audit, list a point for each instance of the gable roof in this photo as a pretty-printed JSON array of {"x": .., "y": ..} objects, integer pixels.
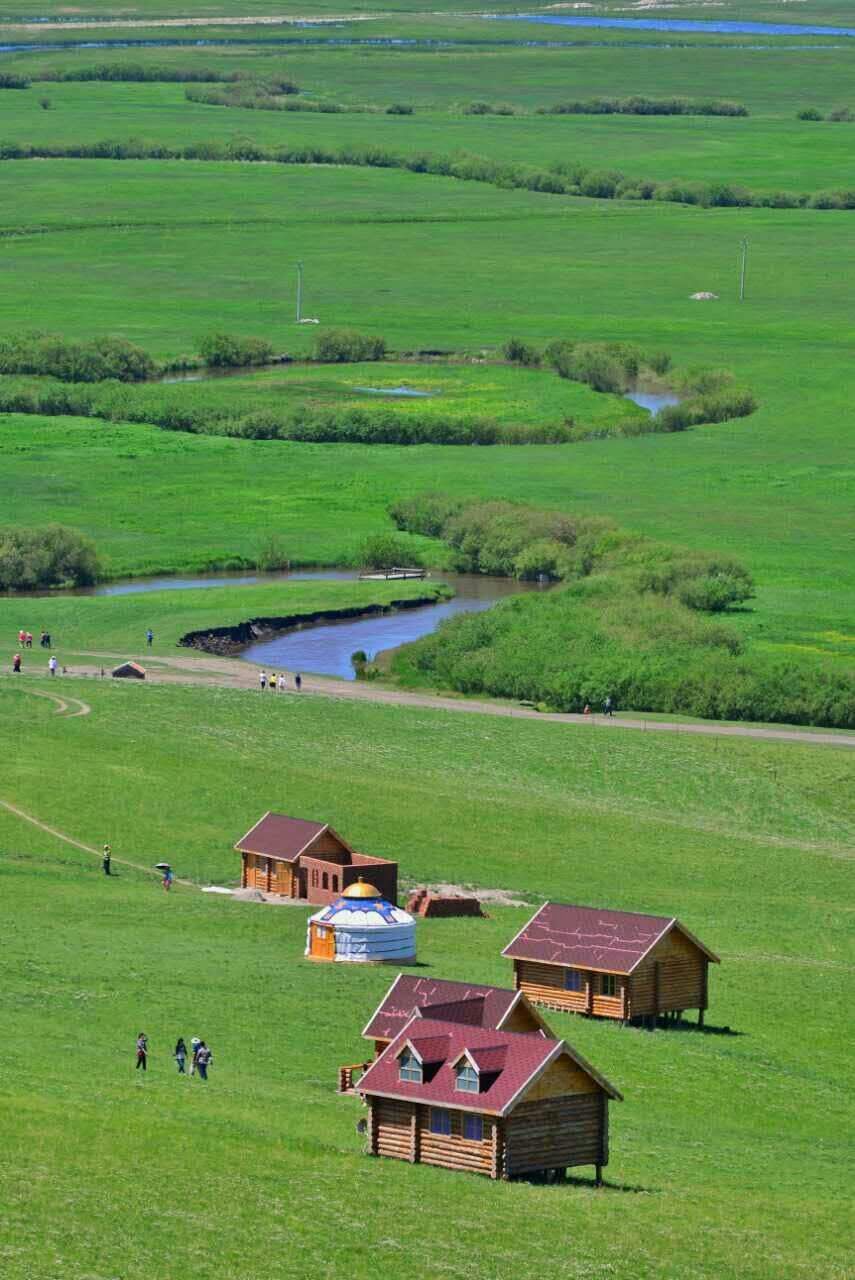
[
  {"x": 278, "y": 836},
  {"x": 437, "y": 998},
  {"x": 510, "y": 1061},
  {"x": 593, "y": 938}
]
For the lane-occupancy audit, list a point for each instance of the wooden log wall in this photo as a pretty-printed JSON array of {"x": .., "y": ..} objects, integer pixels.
[
  {"x": 557, "y": 1133},
  {"x": 402, "y": 1131},
  {"x": 453, "y": 1151},
  {"x": 671, "y": 982},
  {"x": 544, "y": 985}
]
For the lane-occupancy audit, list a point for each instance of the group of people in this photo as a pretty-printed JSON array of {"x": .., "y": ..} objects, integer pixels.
[
  {"x": 608, "y": 707},
  {"x": 199, "y": 1054},
  {"x": 25, "y": 641},
  {"x": 278, "y": 683}
]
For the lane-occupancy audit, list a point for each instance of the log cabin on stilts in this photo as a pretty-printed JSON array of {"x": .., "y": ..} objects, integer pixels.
[
  {"x": 296, "y": 858},
  {"x": 500, "y": 1103},
  {"x": 611, "y": 964}
]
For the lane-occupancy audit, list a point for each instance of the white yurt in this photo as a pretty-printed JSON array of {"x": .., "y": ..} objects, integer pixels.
[{"x": 361, "y": 926}]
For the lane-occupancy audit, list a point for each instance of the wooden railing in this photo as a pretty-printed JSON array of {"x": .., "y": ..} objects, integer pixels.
[{"x": 346, "y": 1075}]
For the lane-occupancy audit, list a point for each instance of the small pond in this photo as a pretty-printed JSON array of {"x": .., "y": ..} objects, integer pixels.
[
  {"x": 653, "y": 400},
  {"x": 394, "y": 391},
  {"x": 325, "y": 648},
  {"x": 137, "y": 586}
]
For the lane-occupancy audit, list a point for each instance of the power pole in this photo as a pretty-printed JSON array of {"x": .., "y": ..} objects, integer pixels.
[
  {"x": 299, "y": 292},
  {"x": 743, "y": 260}
]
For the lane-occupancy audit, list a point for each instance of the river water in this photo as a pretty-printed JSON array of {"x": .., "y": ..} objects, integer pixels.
[{"x": 715, "y": 27}]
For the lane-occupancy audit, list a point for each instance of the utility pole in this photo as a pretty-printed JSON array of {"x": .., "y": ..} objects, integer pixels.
[
  {"x": 743, "y": 260},
  {"x": 299, "y": 293}
]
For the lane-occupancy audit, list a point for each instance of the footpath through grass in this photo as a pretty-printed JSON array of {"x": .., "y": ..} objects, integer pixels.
[{"x": 728, "y": 1155}]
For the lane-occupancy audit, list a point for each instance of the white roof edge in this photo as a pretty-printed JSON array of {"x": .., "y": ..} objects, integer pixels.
[
  {"x": 538, "y": 1070},
  {"x": 669, "y": 926},
  {"x": 531, "y": 920},
  {"x": 255, "y": 824}
]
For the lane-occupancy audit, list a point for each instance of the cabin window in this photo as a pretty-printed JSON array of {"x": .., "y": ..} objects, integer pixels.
[
  {"x": 608, "y": 984},
  {"x": 440, "y": 1121},
  {"x": 325, "y": 881},
  {"x": 335, "y": 884},
  {"x": 473, "y": 1128},
  {"x": 409, "y": 1068},
  {"x": 572, "y": 980},
  {"x": 315, "y": 878},
  {"x": 466, "y": 1078}
]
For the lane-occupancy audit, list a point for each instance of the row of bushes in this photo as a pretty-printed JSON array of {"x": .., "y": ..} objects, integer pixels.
[
  {"x": 226, "y": 351},
  {"x": 261, "y": 98},
  {"x": 94, "y": 361},
  {"x": 631, "y": 622},
  {"x": 561, "y": 179},
  {"x": 139, "y": 73},
  {"x": 9, "y": 80},
  {"x": 54, "y": 556},
  {"x": 838, "y": 115},
  {"x": 640, "y": 106},
  {"x": 513, "y": 540}
]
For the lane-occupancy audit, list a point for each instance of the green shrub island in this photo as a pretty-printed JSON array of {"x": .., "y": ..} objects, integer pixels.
[
  {"x": 93, "y": 361},
  {"x": 631, "y": 622},
  {"x": 641, "y": 106},
  {"x": 225, "y": 351},
  {"x": 54, "y": 556}
]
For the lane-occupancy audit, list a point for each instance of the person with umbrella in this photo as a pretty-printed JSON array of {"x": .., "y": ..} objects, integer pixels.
[{"x": 168, "y": 875}]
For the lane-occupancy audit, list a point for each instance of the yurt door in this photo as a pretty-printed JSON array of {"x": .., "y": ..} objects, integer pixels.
[{"x": 323, "y": 942}]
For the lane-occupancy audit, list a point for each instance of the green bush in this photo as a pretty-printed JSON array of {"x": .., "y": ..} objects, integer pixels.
[
  {"x": 841, "y": 114},
  {"x": 400, "y": 109},
  {"x": 809, "y": 113},
  {"x": 523, "y": 353},
  {"x": 9, "y": 80},
  {"x": 272, "y": 554},
  {"x": 385, "y": 551},
  {"x": 346, "y": 346},
  {"x": 641, "y": 106},
  {"x": 94, "y": 361},
  {"x": 225, "y": 351},
  {"x": 53, "y": 556}
]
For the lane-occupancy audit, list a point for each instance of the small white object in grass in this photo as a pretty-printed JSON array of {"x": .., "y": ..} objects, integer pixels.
[
  {"x": 216, "y": 888},
  {"x": 306, "y": 320},
  {"x": 703, "y": 297}
]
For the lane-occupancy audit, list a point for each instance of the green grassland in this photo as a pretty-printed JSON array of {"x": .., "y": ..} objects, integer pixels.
[{"x": 728, "y": 1155}]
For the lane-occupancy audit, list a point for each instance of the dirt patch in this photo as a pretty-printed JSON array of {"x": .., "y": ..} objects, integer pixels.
[
  {"x": 500, "y": 897},
  {"x": 272, "y": 899}
]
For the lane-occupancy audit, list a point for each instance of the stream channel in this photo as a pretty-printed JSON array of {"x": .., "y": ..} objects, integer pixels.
[{"x": 325, "y": 648}]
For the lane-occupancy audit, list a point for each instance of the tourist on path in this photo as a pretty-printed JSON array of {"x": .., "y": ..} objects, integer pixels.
[
  {"x": 194, "y": 1049},
  {"x": 608, "y": 707},
  {"x": 298, "y": 682},
  {"x": 281, "y": 683},
  {"x": 203, "y": 1060},
  {"x": 180, "y": 1055},
  {"x": 44, "y": 639},
  {"x": 52, "y": 664},
  {"x": 168, "y": 877},
  {"x": 149, "y": 637},
  {"x": 29, "y": 639},
  {"x": 16, "y": 664},
  {"x": 262, "y": 680},
  {"x": 22, "y": 638},
  {"x": 105, "y": 860},
  {"x": 271, "y": 683},
  {"x": 142, "y": 1051}
]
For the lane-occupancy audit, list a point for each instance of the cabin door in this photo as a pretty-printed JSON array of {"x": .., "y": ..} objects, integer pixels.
[{"x": 323, "y": 942}]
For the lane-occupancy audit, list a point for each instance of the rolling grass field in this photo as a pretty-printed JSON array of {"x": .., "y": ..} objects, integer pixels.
[{"x": 728, "y": 1155}]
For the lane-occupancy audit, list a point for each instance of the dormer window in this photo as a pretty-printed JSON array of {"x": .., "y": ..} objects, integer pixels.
[
  {"x": 466, "y": 1077},
  {"x": 409, "y": 1067}
]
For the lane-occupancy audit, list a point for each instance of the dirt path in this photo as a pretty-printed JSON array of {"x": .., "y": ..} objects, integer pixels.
[
  {"x": 231, "y": 673},
  {"x": 79, "y": 844},
  {"x": 64, "y": 705}
]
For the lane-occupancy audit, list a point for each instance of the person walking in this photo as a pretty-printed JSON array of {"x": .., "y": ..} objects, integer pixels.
[
  {"x": 271, "y": 683},
  {"x": 262, "y": 680},
  {"x": 16, "y": 664},
  {"x": 105, "y": 859},
  {"x": 608, "y": 707},
  {"x": 203, "y": 1060},
  {"x": 149, "y": 637},
  {"x": 194, "y": 1049},
  {"x": 142, "y": 1051},
  {"x": 281, "y": 682},
  {"x": 43, "y": 639},
  {"x": 22, "y": 639},
  {"x": 298, "y": 682},
  {"x": 180, "y": 1055},
  {"x": 52, "y": 664},
  {"x": 168, "y": 877}
]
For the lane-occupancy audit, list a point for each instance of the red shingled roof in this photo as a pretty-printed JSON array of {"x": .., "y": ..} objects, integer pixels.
[
  {"x": 436, "y": 998},
  {"x": 592, "y": 938},
  {"x": 512, "y": 1062},
  {"x": 278, "y": 836},
  {"x": 429, "y": 1048}
]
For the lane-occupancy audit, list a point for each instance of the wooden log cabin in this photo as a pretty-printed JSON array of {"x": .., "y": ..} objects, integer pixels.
[
  {"x": 297, "y": 858},
  {"x": 610, "y": 964},
  {"x": 500, "y": 1103}
]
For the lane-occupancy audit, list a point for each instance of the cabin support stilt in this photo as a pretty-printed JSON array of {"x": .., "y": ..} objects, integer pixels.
[{"x": 598, "y": 1177}]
